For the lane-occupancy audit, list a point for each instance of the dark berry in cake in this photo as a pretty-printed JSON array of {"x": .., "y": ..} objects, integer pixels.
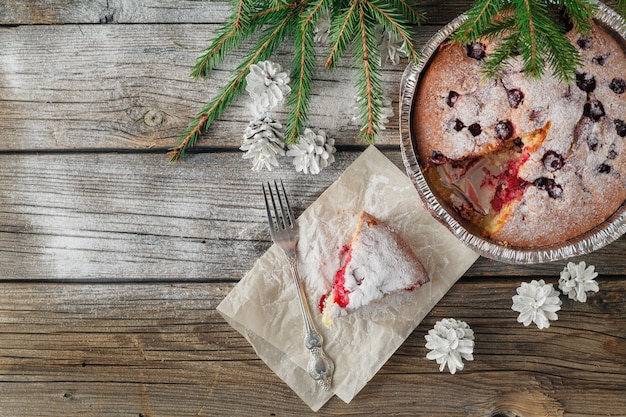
[
  {"x": 620, "y": 127},
  {"x": 584, "y": 43},
  {"x": 437, "y": 158},
  {"x": 504, "y": 129},
  {"x": 475, "y": 129},
  {"x": 548, "y": 184},
  {"x": 586, "y": 82},
  {"x": 476, "y": 51},
  {"x": 612, "y": 152},
  {"x": 553, "y": 161},
  {"x": 593, "y": 142},
  {"x": 458, "y": 125},
  {"x": 452, "y": 98},
  {"x": 562, "y": 17},
  {"x": 594, "y": 110},
  {"x": 516, "y": 97},
  {"x": 618, "y": 85},
  {"x": 604, "y": 169},
  {"x": 600, "y": 59}
]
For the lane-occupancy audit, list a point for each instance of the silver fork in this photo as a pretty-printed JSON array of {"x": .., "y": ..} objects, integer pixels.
[{"x": 284, "y": 232}]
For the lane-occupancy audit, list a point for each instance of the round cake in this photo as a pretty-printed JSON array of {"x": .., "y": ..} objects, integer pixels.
[{"x": 529, "y": 162}]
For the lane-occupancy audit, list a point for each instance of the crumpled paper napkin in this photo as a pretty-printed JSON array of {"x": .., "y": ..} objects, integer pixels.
[{"x": 263, "y": 306}]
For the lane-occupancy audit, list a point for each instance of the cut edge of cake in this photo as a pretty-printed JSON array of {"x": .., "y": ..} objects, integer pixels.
[{"x": 377, "y": 262}]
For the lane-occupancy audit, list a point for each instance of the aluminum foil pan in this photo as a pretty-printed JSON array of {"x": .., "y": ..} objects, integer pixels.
[{"x": 602, "y": 235}]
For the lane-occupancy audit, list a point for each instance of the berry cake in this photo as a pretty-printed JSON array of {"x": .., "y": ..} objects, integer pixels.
[
  {"x": 530, "y": 162},
  {"x": 377, "y": 262}
]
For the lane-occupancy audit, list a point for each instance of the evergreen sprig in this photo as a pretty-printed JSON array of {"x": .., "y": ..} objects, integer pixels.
[
  {"x": 621, "y": 8},
  {"x": 352, "y": 23},
  {"x": 533, "y": 29}
]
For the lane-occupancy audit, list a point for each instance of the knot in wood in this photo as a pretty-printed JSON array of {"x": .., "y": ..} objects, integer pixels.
[{"x": 153, "y": 118}]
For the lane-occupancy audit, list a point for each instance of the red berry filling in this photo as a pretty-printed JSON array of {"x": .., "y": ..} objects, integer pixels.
[
  {"x": 341, "y": 292},
  {"x": 509, "y": 186}
]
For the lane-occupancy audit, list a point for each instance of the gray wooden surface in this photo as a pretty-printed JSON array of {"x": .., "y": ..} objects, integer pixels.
[{"x": 112, "y": 260}]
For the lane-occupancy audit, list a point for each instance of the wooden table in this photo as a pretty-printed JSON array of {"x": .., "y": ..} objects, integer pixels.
[{"x": 114, "y": 260}]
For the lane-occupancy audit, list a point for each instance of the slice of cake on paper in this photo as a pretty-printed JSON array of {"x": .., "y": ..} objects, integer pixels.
[{"x": 377, "y": 262}]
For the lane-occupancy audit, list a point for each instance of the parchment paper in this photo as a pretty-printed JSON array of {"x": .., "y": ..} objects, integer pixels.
[{"x": 263, "y": 306}]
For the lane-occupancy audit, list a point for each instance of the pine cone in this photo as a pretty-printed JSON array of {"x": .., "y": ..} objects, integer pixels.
[
  {"x": 313, "y": 152},
  {"x": 267, "y": 85},
  {"x": 263, "y": 141}
]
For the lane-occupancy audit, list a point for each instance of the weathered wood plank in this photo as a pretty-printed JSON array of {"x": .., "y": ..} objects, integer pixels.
[
  {"x": 25, "y": 12},
  {"x": 128, "y": 86},
  {"x": 108, "y": 216},
  {"x": 100, "y": 350},
  {"x": 29, "y": 12}
]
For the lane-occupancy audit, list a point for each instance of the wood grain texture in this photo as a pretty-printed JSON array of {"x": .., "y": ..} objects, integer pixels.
[
  {"x": 163, "y": 350},
  {"x": 133, "y": 216},
  {"x": 128, "y": 87},
  {"x": 25, "y": 12},
  {"x": 113, "y": 261}
]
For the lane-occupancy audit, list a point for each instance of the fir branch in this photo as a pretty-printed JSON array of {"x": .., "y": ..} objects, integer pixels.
[
  {"x": 527, "y": 13},
  {"x": 498, "y": 59},
  {"x": 391, "y": 19},
  {"x": 244, "y": 21},
  {"x": 579, "y": 12},
  {"x": 480, "y": 17},
  {"x": 407, "y": 8},
  {"x": 621, "y": 8},
  {"x": 229, "y": 36},
  {"x": 368, "y": 72},
  {"x": 342, "y": 31},
  {"x": 531, "y": 29},
  {"x": 303, "y": 67},
  {"x": 267, "y": 43}
]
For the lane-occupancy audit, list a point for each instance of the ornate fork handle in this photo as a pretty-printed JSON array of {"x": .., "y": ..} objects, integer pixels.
[{"x": 320, "y": 366}]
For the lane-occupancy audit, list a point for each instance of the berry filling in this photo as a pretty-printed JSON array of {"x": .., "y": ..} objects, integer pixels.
[
  {"x": 509, "y": 186},
  {"x": 515, "y": 97},
  {"x": 553, "y": 161},
  {"x": 584, "y": 43},
  {"x": 475, "y": 129},
  {"x": 618, "y": 85},
  {"x": 586, "y": 82},
  {"x": 504, "y": 130},
  {"x": 594, "y": 110},
  {"x": 476, "y": 50},
  {"x": 620, "y": 127},
  {"x": 341, "y": 293},
  {"x": 453, "y": 96},
  {"x": 600, "y": 59},
  {"x": 548, "y": 184},
  {"x": 458, "y": 125}
]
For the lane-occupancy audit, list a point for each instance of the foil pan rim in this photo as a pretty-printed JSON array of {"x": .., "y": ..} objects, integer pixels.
[{"x": 605, "y": 233}]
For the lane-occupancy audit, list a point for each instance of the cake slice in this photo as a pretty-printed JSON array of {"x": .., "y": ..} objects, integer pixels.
[{"x": 377, "y": 262}]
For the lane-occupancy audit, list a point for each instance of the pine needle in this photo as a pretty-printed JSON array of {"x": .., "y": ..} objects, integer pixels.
[
  {"x": 621, "y": 8},
  {"x": 343, "y": 29},
  {"x": 391, "y": 19},
  {"x": 531, "y": 29},
  {"x": 303, "y": 67},
  {"x": 267, "y": 43},
  {"x": 367, "y": 60}
]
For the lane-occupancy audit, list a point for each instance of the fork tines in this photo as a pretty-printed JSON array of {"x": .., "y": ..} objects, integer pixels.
[{"x": 284, "y": 219}]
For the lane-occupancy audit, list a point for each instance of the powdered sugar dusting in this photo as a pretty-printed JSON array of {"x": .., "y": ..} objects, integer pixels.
[
  {"x": 381, "y": 264},
  {"x": 579, "y": 125}
]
